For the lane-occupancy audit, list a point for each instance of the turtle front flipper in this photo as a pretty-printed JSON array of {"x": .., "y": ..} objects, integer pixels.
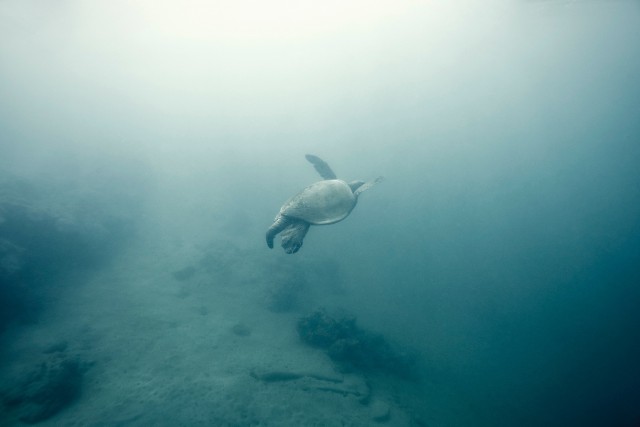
[
  {"x": 293, "y": 235},
  {"x": 321, "y": 166},
  {"x": 278, "y": 225}
]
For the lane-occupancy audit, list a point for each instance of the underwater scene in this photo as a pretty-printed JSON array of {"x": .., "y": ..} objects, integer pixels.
[{"x": 337, "y": 213}]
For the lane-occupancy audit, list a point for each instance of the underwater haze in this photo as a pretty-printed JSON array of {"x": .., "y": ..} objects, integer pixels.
[{"x": 491, "y": 279}]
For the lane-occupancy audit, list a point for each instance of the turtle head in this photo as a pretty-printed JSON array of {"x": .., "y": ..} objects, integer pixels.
[{"x": 354, "y": 185}]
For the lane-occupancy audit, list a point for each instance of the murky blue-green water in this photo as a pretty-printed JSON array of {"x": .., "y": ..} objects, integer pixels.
[{"x": 502, "y": 249}]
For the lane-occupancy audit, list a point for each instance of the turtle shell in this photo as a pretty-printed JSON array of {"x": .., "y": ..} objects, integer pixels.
[{"x": 324, "y": 202}]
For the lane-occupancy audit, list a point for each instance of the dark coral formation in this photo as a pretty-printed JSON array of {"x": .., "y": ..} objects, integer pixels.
[
  {"x": 352, "y": 347},
  {"x": 42, "y": 241},
  {"x": 45, "y": 391}
]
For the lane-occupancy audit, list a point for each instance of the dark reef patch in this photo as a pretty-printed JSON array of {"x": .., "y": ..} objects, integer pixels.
[
  {"x": 352, "y": 347},
  {"x": 45, "y": 390},
  {"x": 47, "y": 234}
]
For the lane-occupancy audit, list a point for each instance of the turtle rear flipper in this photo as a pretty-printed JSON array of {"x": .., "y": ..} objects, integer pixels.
[
  {"x": 367, "y": 185},
  {"x": 321, "y": 166},
  {"x": 293, "y": 235}
]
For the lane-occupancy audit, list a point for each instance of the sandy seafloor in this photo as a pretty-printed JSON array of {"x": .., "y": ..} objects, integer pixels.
[{"x": 163, "y": 351}]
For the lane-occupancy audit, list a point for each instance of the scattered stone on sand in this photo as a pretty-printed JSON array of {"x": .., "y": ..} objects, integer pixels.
[
  {"x": 380, "y": 411},
  {"x": 348, "y": 385},
  {"x": 275, "y": 376},
  {"x": 241, "y": 329},
  {"x": 56, "y": 347},
  {"x": 184, "y": 274},
  {"x": 183, "y": 293}
]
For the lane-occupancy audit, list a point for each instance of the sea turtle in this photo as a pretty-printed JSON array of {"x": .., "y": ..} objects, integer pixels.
[{"x": 324, "y": 202}]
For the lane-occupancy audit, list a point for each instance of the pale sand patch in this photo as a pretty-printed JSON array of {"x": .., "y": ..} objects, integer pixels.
[{"x": 164, "y": 351}]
